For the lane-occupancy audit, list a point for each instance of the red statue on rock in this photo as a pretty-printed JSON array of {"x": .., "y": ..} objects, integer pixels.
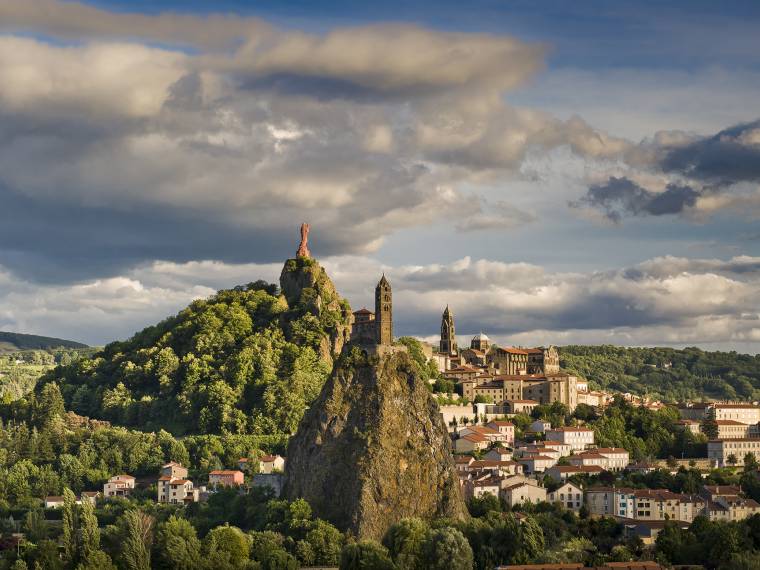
[{"x": 303, "y": 249}]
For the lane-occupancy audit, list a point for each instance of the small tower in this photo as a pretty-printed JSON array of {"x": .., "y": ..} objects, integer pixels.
[
  {"x": 448, "y": 335},
  {"x": 384, "y": 312}
]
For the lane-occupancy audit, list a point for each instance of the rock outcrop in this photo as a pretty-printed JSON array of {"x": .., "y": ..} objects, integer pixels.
[
  {"x": 373, "y": 449},
  {"x": 307, "y": 288}
]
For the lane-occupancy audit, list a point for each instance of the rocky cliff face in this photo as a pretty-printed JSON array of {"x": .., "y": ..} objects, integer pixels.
[
  {"x": 308, "y": 289},
  {"x": 373, "y": 449}
]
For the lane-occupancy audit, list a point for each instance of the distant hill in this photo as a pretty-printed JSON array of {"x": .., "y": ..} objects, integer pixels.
[
  {"x": 667, "y": 373},
  {"x": 13, "y": 342}
]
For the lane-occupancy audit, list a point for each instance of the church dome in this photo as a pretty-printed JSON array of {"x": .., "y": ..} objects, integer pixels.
[{"x": 481, "y": 337}]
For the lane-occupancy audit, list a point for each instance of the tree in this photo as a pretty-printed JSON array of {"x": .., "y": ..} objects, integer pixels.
[
  {"x": 742, "y": 561},
  {"x": 709, "y": 427},
  {"x": 89, "y": 533},
  {"x": 137, "y": 539},
  {"x": 326, "y": 542},
  {"x": 532, "y": 538},
  {"x": 365, "y": 555},
  {"x": 49, "y": 404},
  {"x": 35, "y": 526},
  {"x": 446, "y": 549},
  {"x": 177, "y": 545},
  {"x": 226, "y": 546},
  {"x": 732, "y": 460},
  {"x": 69, "y": 527},
  {"x": 97, "y": 560},
  {"x": 750, "y": 462},
  {"x": 404, "y": 543}
]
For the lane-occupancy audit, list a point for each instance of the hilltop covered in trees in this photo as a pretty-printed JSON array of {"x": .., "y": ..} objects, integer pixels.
[
  {"x": 12, "y": 342},
  {"x": 666, "y": 373},
  {"x": 246, "y": 361}
]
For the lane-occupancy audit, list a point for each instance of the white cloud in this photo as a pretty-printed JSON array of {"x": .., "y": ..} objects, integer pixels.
[{"x": 675, "y": 301}]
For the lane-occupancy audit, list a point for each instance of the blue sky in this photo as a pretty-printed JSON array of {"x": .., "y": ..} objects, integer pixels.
[{"x": 557, "y": 172}]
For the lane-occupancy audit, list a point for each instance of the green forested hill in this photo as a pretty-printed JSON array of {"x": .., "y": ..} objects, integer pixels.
[
  {"x": 13, "y": 342},
  {"x": 668, "y": 373},
  {"x": 246, "y": 360}
]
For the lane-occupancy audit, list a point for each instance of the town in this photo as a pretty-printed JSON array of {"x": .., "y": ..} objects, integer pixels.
[{"x": 507, "y": 448}]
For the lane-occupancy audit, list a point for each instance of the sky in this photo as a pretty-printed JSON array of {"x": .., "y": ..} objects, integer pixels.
[{"x": 556, "y": 172}]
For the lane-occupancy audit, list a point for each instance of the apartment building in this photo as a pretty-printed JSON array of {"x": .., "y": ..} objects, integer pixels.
[
  {"x": 578, "y": 438},
  {"x": 719, "y": 452},
  {"x": 745, "y": 413},
  {"x": 568, "y": 495}
]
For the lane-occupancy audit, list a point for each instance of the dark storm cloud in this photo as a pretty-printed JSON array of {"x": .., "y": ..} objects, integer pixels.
[
  {"x": 722, "y": 168},
  {"x": 729, "y": 157},
  {"x": 619, "y": 197},
  {"x": 53, "y": 241}
]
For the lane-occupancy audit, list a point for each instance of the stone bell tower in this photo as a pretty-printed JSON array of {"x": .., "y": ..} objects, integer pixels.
[
  {"x": 448, "y": 344},
  {"x": 384, "y": 312}
]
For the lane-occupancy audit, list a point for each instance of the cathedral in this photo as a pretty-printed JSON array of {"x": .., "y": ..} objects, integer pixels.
[
  {"x": 497, "y": 360},
  {"x": 448, "y": 344}
]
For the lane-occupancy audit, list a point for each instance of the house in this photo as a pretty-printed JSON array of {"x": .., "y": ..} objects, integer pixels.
[
  {"x": 725, "y": 502},
  {"x": 603, "y": 501},
  {"x": 492, "y": 435},
  {"x": 496, "y": 467},
  {"x": 462, "y": 373},
  {"x": 271, "y": 463},
  {"x": 53, "y": 502},
  {"x": 691, "y": 425},
  {"x": 578, "y": 438},
  {"x": 119, "y": 486},
  {"x": 481, "y": 487},
  {"x": 474, "y": 356},
  {"x": 499, "y": 454},
  {"x": 647, "y": 531},
  {"x": 608, "y": 458},
  {"x": 463, "y": 463},
  {"x": 564, "y": 472},
  {"x": 617, "y": 457},
  {"x": 225, "y": 478},
  {"x": 536, "y": 463},
  {"x": 243, "y": 464},
  {"x": 523, "y": 492},
  {"x": 174, "y": 470},
  {"x": 505, "y": 428},
  {"x": 540, "y": 449},
  {"x": 568, "y": 495},
  {"x": 471, "y": 442},
  {"x": 89, "y": 496},
  {"x": 540, "y": 426},
  {"x": 174, "y": 487},
  {"x": 564, "y": 449}
]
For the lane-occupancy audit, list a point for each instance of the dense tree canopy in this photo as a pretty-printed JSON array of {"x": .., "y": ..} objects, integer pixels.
[
  {"x": 667, "y": 373},
  {"x": 240, "y": 362}
]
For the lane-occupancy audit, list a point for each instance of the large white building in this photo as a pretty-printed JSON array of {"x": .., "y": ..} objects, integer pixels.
[
  {"x": 578, "y": 438},
  {"x": 720, "y": 451},
  {"x": 745, "y": 413}
]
